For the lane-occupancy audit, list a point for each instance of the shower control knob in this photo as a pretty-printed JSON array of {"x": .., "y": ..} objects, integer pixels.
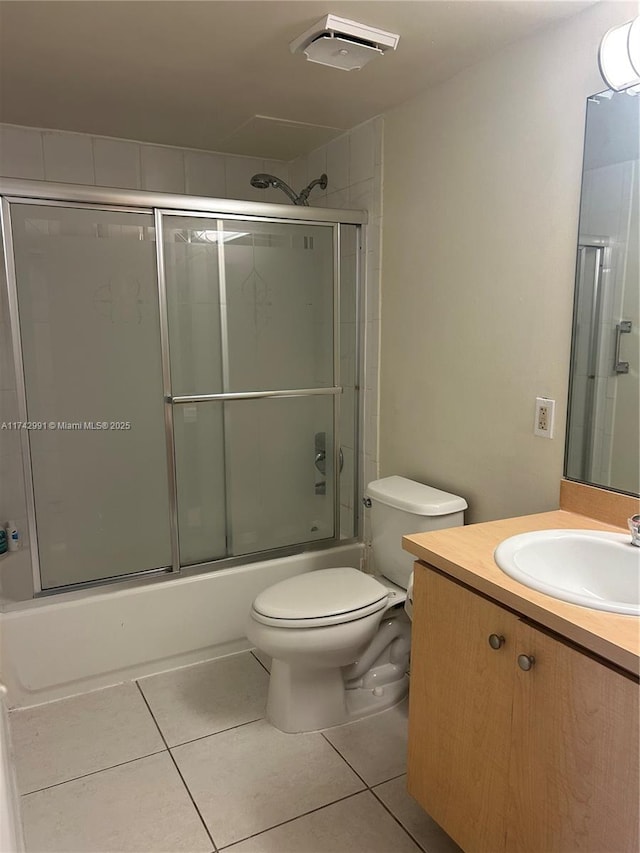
[
  {"x": 496, "y": 641},
  {"x": 526, "y": 662}
]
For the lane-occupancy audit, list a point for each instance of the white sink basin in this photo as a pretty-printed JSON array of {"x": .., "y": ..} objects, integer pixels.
[{"x": 588, "y": 567}]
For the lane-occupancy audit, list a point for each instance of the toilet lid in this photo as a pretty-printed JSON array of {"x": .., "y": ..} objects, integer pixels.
[{"x": 315, "y": 595}]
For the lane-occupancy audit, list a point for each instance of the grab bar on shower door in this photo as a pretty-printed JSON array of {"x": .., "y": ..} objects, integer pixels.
[{"x": 622, "y": 328}]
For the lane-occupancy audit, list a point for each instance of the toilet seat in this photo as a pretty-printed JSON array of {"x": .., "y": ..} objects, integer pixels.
[{"x": 320, "y": 598}]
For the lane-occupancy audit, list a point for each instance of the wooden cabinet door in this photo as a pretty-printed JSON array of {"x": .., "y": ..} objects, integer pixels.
[
  {"x": 574, "y": 753},
  {"x": 460, "y": 711}
]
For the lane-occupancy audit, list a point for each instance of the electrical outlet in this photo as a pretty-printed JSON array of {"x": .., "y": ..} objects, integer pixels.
[{"x": 545, "y": 411}]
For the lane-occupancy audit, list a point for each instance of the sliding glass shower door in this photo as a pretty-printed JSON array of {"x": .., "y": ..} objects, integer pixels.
[
  {"x": 250, "y": 326},
  {"x": 86, "y": 292},
  {"x": 187, "y": 384}
]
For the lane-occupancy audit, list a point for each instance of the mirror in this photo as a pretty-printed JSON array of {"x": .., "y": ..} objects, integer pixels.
[{"x": 603, "y": 430}]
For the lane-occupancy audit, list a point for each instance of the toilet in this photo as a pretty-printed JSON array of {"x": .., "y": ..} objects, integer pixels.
[{"x": 339, "y": 639}]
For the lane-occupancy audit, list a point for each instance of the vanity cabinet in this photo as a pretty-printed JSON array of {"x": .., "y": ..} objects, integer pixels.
[{"x": 518, "y": 741}]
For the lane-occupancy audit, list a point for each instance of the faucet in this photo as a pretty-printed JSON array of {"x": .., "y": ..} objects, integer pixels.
[{"x": 634, "y": 527}]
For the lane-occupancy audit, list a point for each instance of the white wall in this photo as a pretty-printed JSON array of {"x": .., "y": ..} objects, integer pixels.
[{"x": 482, "y": 188}]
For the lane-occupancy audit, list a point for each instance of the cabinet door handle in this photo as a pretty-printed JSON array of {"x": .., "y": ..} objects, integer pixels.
[
  {"x": 496, "y": 641},
  {"x": 526, "y": 662}
]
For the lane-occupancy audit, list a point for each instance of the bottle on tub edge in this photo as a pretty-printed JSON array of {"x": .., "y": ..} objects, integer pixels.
[{"x": 13, "y": 537}]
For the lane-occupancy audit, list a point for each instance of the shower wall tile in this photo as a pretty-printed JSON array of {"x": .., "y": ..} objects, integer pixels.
[
  {"x": 205, "y": 174},
  {"x": 378, "y": 134},
  {"x": 39, "y": 154},
  {"x": 317, "y": 165},
  {"x": 298, "y": 174},
  {"x": 362, "y": 152},
  {"x": 163, "y": 169},
  {"x": 239, "y": 172},
  {"x": 374, "y": 241},
  {"x": 21, "y": 154},
  {"x": 338, "y": 199},
  {"x": 378, "y": 180},
  {"x": 361, "y": 196},
  {"x": 353, "y": 163},
  {"x": 117, "y": 163},
  {"x": 68, "y": 157},
  {"x": 338, "y": 161}
]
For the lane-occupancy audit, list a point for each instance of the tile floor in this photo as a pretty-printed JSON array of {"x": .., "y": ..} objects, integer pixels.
[{"x": 185, "y": 761}]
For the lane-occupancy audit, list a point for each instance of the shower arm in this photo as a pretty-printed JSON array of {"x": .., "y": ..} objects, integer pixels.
[{"x": 304, "y": 194}]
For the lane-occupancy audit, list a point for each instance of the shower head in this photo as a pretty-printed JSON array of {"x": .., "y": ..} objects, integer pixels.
[{"x": 262, "y": 182}]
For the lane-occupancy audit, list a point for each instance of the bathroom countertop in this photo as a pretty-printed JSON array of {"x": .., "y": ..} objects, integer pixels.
[{"x": 466, "y": 554}]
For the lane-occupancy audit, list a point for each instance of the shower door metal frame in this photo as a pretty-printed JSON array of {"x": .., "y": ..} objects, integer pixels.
[
  {"x": 48, "y": 194},
  {"x": 226, "y": 395}
]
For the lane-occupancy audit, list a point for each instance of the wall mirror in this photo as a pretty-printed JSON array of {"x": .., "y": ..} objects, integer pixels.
[{"x": 603, "y": 430}]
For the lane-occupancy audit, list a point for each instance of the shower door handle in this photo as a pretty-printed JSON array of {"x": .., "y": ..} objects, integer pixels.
[
  {"x": 320, "y": 458},
  {"x": 622, "y": 328},
  {"x": 320, "y": 461}
]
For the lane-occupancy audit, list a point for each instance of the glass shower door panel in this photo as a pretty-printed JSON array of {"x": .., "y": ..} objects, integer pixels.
[
  {"x": 277, "y": 495},
  {"x": 279, "y": 297},
  {"x": 193, "y": 304},
  {"x": 200, "y": 474},
  {"x": 89, "y": 318}
]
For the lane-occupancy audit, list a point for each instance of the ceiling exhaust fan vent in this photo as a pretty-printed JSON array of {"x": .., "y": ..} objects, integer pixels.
[{"x": 343, "y": 44}]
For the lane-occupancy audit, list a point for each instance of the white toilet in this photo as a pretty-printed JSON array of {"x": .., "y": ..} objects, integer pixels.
[{"x": 339, "y": 639}]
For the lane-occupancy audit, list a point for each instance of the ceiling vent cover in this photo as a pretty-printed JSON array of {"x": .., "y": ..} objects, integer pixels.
[{"x": 343, "y": 44}]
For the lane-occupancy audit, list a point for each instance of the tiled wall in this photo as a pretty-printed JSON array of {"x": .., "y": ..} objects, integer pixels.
[
  {"x": 353, "y": 163},
  {"x": 78, "y": 158}
]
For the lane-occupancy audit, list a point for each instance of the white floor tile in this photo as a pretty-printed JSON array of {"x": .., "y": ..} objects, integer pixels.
[
  {"x": 210, "y": 697},
  {"x": 141, "y": 807},
  {"x": 416, "y": 821},
  {"x": 251, "y": 778},
  {"x": 356, "y": 825},
  {"x": 376, "y": 747},
  {"x": 62, "y": 740}
]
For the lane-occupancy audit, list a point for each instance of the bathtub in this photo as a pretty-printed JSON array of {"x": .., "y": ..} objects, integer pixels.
[
  {"x": 11, "y": 840},
  {"x": 73, "y": 642}
]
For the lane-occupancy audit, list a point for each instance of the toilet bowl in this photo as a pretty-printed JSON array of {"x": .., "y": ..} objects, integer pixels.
[
  {"x": 339, "y": 639},
  {"x": 317, "y": 627}
]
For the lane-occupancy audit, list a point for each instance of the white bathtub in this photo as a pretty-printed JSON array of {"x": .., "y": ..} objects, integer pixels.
[{"x": 64, "y": 645}]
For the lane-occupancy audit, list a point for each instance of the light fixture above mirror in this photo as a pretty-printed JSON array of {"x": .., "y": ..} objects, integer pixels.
[{"x": 619, "y": 56}]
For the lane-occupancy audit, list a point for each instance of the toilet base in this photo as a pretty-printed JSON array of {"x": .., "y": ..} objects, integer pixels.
[
  {"x": 306, "y": 700},
  {"x": 362, "y": 701}
]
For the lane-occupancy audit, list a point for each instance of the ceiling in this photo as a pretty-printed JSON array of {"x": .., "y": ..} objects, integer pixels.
[{"x": 218, "y": 74}]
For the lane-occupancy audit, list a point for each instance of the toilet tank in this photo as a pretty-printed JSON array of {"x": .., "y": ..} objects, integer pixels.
[{"x": 400, "y": 506}]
